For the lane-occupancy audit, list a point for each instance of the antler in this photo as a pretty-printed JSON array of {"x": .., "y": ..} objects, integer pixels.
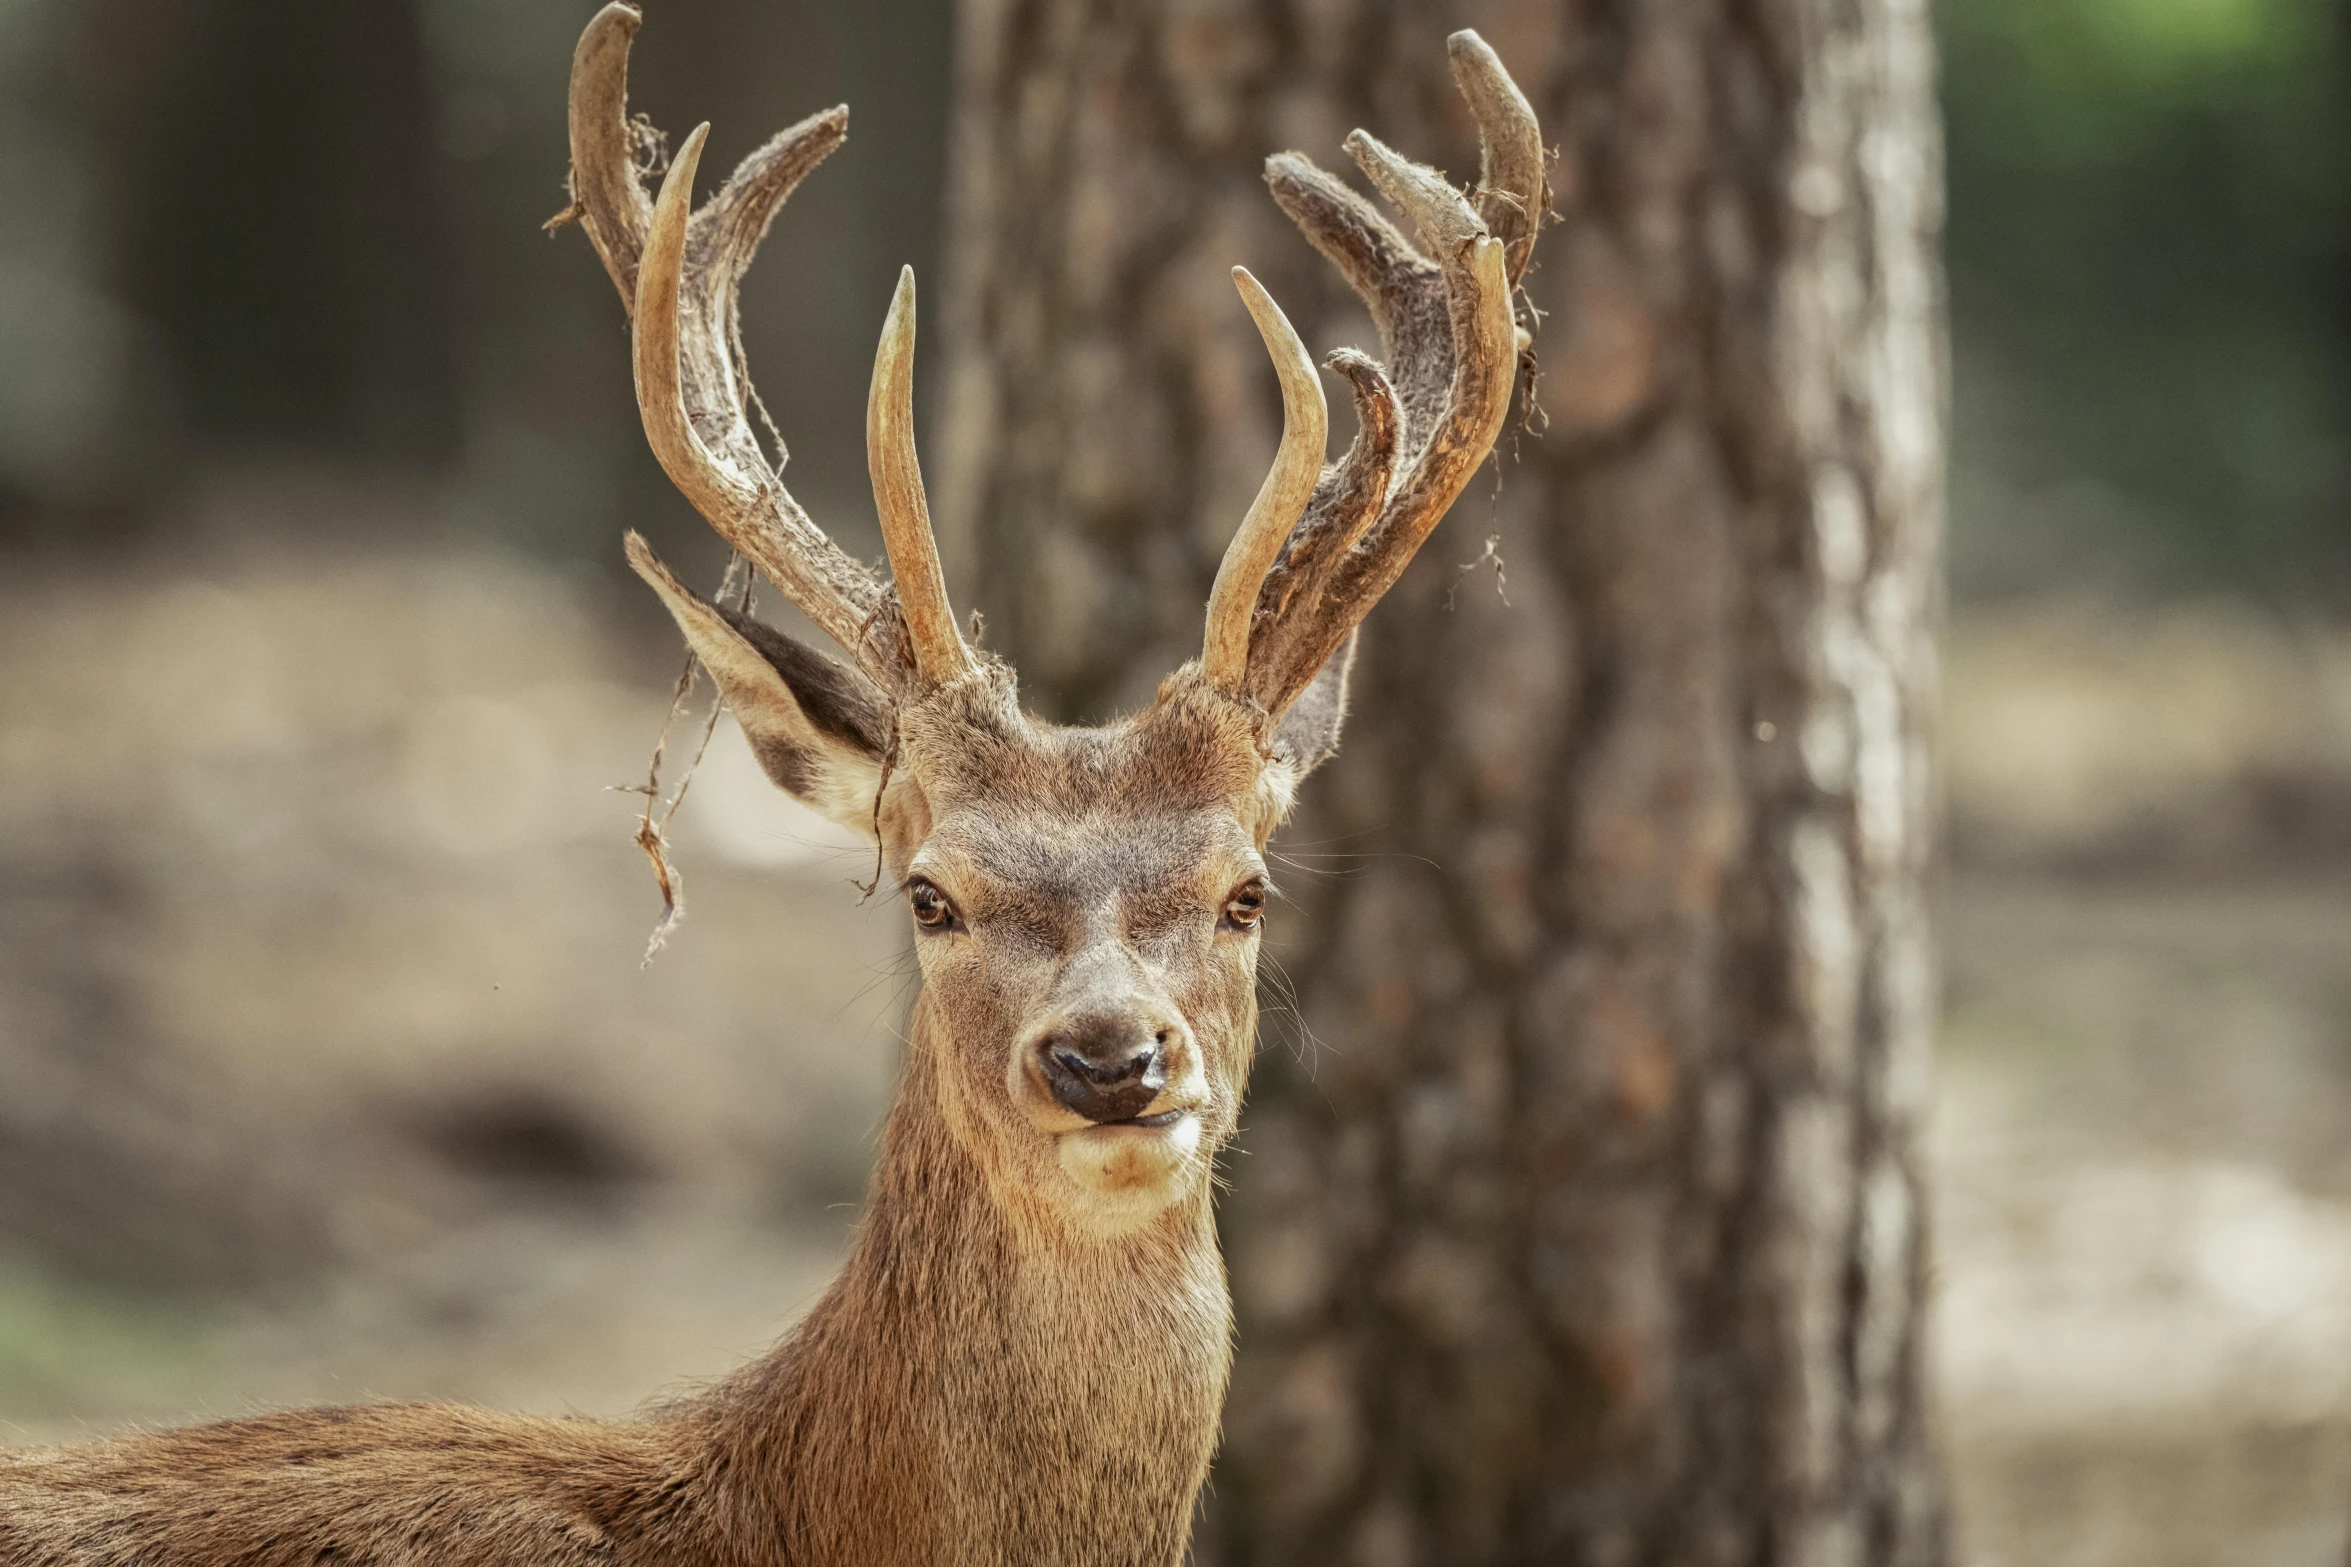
[
  {"x": 678, "y": 275},
  {"x": 1297, "y": 465},
  {"x": 1446, "y": 323},
  {"x": 939, "y": 652}
]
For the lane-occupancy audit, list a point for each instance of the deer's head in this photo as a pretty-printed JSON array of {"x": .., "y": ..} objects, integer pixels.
[{"x": 1087, "y": 901}]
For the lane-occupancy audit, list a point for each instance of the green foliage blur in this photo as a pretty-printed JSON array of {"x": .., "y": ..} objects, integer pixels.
[{"x": 2150, "y": 214}]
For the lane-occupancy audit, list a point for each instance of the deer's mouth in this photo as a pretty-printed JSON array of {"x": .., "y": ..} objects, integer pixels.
[
  {"x": 1150, "y": 1123},
  {"x": 1161, "y": 1123}
]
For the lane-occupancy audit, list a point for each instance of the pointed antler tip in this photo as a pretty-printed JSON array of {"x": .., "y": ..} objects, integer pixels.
[
  {"x": 1379, "y": 160},
  {"x": 618, "y": 14},
  {"x": 898, "y": 324},
  {"x": 675, "y": 200},
  {"x": 641, "y": 558},
  {"x": 1291, "y": 362}
]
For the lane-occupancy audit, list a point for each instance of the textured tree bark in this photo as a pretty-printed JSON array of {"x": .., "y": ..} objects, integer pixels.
[{"x": 1584, "y": 1219}]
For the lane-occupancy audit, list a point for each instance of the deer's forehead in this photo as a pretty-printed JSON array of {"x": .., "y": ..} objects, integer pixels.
[
  {"x": 1179, "y": 756},
  {"x": 1034, "y": 814},
  {"x": 1084, "y": 856}
]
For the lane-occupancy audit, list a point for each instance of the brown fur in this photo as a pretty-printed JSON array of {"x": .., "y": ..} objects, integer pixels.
[{"x": 1006, "y": 1370}]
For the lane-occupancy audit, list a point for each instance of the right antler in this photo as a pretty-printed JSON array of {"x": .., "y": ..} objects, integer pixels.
[
  {"x": 1445, "y": 319},
  {"x": 678, "y": 276}
]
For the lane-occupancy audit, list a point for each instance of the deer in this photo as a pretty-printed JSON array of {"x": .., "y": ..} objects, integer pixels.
[{"x": 1024, "y": 1357}]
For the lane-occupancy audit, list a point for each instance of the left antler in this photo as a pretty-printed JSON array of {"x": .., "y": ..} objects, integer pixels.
[{"x": 1445, "y": 318}]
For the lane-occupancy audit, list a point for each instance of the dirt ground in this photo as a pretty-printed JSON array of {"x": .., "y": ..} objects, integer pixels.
[{"x": 329, "y": 1071}]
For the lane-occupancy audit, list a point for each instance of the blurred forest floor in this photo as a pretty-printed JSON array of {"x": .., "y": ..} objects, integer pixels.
[{"x": 330, "y": 1071}]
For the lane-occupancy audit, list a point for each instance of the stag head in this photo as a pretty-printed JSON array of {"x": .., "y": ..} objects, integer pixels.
[{"x": 1087, "y": 901}]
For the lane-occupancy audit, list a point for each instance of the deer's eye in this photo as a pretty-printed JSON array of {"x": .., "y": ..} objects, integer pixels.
[
  {"x": 932, "y": 911},
  {"x": 1245, "y": 909}
]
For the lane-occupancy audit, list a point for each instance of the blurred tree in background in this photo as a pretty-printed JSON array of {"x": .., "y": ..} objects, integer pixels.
[
  {"x": 284, "y": 229},
  {"x": 1594, "y": 1230}
]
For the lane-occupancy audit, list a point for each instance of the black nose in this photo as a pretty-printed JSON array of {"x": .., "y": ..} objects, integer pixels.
[{"x": 1106, "y": 1068}]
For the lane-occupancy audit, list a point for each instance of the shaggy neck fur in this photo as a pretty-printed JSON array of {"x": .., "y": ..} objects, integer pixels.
[{"x": 982, "y": 1384}]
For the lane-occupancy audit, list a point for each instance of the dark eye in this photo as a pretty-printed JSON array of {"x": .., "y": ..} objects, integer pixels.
[
  {"x": 1246, "y": 907},
  {"x": 932, "y": 911}
]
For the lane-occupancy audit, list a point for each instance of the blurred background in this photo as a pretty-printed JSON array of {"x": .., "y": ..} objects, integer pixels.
[{"x": 328, "y": 1066}]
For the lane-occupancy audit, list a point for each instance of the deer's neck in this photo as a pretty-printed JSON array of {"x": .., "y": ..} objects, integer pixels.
[{"x": 972, "y": 1389}]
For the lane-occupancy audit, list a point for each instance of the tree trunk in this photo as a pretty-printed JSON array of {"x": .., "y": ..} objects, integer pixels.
[{"x": 1584, "y": 1221}]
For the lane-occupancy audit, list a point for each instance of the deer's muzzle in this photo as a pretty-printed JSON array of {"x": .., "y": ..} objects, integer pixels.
[{"x": 1107, "y": 1067}]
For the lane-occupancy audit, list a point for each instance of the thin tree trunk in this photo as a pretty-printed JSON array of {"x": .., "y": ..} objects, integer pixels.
[{"x": 1586, "y": 1222}]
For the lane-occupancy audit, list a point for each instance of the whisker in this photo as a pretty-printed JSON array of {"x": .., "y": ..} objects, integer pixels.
[
  {"x": 1345, "y": 837},
  {"x": 1305, "y": 1046},
  {"x": 895, "y": 971},
  {"x": 1388, "y": 854}
]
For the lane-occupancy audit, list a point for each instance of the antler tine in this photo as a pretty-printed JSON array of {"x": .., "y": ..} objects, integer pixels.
[
  {"x": 939, "y": 653},
  {"x": 1281, "y": 499},
  {"x": 725, "y": 234},
  {"x": 716, "y": 490},
  {"x": 605, "y": 191},
  {"x": 1514, "y": 193},
  {"x": 1445, "y": 315}
]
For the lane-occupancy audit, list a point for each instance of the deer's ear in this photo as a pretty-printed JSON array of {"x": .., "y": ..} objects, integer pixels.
[
  {"x": 1309, "y": 732},
  {"x": 819, "y": 729}
]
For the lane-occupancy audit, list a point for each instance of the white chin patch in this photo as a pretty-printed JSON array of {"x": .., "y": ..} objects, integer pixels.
[{"x": 1128, "y": 1173}]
